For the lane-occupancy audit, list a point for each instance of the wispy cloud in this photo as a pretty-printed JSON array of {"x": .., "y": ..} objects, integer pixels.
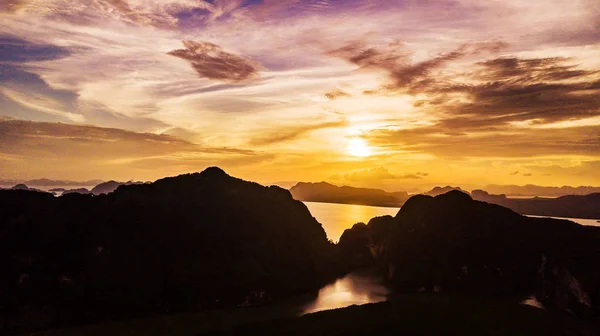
[{"x": 283, "y": 134}]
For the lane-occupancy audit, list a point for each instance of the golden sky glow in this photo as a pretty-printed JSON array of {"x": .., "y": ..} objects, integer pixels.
[{"x": 395, "y": 94}]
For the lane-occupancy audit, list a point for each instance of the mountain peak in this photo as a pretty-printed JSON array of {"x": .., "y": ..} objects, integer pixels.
[{"x": 214, "y": 171}]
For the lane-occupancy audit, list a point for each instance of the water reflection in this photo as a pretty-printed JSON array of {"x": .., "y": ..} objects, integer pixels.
[
  {"x": 353, "y": 289},
  {"x": 336, "y": 218},
  {"x": 588, "y": 222}
]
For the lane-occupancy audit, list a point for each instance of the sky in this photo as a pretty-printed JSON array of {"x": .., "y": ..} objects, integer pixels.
[{"x": 393, "y": 94}]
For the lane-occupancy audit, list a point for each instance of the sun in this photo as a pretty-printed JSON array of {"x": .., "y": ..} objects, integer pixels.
[{"x": 359, "y": 147}]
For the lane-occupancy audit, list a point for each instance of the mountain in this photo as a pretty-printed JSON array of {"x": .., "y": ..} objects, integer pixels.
[
  {"x": 535, "y": 190},
  {"x": 22, "y": 186},
  {"x": 442, "y": 190},
  {"x": 329, "y": 193},
  {"x": 84, "y": 191},
  {"x": 190, "y": 242},
  {"x": 453, "y": 244},
  {"x": 110, "y": 186},
  {"x": 44, "y": 182},
  {"x": 571, "y": 206}
]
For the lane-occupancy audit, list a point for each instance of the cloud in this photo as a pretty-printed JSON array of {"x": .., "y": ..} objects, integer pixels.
[
  {"x": 506, "y": 142},
  {"x": 514, "y": 173},
  {"x": 504, "y": 106},
  {"x": 335, "y": 94},
  {"x": 290, "y": 133},
  {"x": 396, "y": 61},
  {"x": 58, "y": 149},
  {"x": 26, "y": 95},
  {"x": 212, "y": 62},
  {"x": 11, "y": 5},
  {"x": 19, "y": 50},
  {"x": 540, "y": 90}
]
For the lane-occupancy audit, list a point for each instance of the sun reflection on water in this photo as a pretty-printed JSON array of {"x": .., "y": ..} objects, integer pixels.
[{"x": 353, "y": 289}]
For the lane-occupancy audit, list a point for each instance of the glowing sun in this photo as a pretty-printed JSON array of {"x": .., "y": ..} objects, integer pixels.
[{"x": 359, "y": 147}]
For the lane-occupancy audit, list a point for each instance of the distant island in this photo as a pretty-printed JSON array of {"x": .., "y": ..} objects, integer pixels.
[
  {"x": 102, "y": 188},
  {"x": 532, "y": 190},
  {"x": 571, "y": 206},
  {"x": 328, "y": 193},
  {"x": 44, "y": 182}
]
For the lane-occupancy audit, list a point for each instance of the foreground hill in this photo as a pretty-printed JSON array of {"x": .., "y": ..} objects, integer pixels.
[
  {"x": 329, "y": 193},
  {"x": 183, "y": 243},
  {"x": 571, "y": 206},
  {"x": 453, "y": 244},
  {"x": 424, "y": 315}
]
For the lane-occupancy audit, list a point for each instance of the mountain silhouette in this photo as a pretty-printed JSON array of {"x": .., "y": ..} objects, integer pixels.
[
  {"x": 570, "y": 206},
  {"x": 453, "y": 244},
  {"x": 543, "y": 191},
  {"x": 110, "y": 186},
  {"x": 184, "y": 243},
  {"x": 442, "y": 190},
  {"x": 83, "y": 191},
  {"x": 329, "y": 193}
]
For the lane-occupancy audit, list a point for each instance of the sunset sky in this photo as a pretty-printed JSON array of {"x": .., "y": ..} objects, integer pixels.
[{"x": 391, "y": 94}]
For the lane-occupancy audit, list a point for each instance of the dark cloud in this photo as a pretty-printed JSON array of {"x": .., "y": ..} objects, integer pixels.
[
  {"x": 11, "y": 5},
  {"x": 510, "y": 89},
  {"x": 292, "y": 133},
  {"x": 514, "y": 173},
  {"x": 500, "y": 109},
  {"x": 530, "y": 70},
  {"x": 13, "y": 49},
  {"x": 335, "y": 94},
  {"x": 211, "y": 61},
  {"x": 396, "y": 61}
]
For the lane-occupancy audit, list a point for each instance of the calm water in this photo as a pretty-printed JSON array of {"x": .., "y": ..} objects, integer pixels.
[
  {"x": 336, "y": 218},
  {"x": 354, "y": 288}
]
